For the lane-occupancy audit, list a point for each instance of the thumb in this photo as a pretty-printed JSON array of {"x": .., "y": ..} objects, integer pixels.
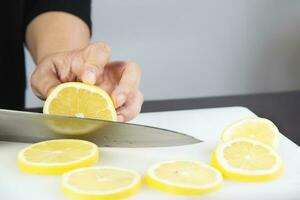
[{"x": 96, "y": 57}]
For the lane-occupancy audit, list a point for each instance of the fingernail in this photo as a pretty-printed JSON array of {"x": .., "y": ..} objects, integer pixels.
[
  {"x": 89, "y": 77},
  {"x": 120, "y": 118},
  {"x": 120, "y": 100}
]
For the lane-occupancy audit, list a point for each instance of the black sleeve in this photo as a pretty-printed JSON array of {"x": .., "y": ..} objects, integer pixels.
[{"x": 79, "y": 8}]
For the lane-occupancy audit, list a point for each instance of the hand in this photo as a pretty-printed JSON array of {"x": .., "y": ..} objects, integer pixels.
[{"x": 91, "y": 65}]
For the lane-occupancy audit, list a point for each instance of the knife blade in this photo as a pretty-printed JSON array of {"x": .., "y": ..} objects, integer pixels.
[{"x": 29, "y": 127}]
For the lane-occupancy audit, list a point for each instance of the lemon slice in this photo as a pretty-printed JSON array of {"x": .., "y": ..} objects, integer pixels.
[
  {"x": 80, "y": 100},
  {"x": 57, "y": 156},
  {"x": 247, "y": 160},
  {"x": 259, "y": 129},
  {"x": 184, "y": 177},
  {"x": 107, "y": 183}
]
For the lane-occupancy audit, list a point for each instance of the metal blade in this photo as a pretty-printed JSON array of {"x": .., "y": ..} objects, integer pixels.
[{"x": 31, "y": 127}]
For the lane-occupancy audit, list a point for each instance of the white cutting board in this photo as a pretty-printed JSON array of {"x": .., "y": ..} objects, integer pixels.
[{"x": 204, "y": 124}]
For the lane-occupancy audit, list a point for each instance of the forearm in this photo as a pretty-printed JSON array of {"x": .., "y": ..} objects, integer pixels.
[{"x": 54, "y": 32}]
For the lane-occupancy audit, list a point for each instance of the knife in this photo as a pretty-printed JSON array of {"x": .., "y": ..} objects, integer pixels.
[{"x": 30, "y": 127}]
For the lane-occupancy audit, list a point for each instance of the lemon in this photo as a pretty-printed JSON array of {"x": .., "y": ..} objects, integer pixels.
[
  {"x": 259, "y": 129},
  {"x": 57, "y": 156},
  {"x": 96, "y": 183},
  {"x": 247, "y": 160},
  {"x": 184, "y": 177},
  {"x": 71, "y": 126},
  {"x": 80, "y": 100}
]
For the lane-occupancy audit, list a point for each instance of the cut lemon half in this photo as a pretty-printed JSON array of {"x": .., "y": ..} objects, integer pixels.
[
  {"x": 71, "y": 126},
  {"x": 184, "y": 177},
  {"x": 247, "y": 160},
  {"x": 80, "y": 100},
  {"x": 97, "y": 183},
  {"x": 259, "y": 129},
  {"x": 57, "y": 156}
]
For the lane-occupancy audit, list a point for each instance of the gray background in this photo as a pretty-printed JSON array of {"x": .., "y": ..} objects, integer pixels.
[{"x": 199, "y": 48}]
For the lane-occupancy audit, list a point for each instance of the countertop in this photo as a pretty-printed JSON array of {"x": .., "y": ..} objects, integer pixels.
[{"x": 205, "y": 124}]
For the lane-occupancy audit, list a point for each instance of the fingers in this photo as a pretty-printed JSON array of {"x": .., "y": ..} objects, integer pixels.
[
  {"x": 84, "y": 65},
  {"x": 89, "y": 65},
  {"x": 132, "y": 107},
  {"x": 122, "y": 81},
  {"x": 43, "y": 80},
  {"x": 95, "y": 57},
  {"x": 129, "y": 83}
]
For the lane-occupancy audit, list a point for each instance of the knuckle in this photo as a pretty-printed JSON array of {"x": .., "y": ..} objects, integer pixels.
[
  {"x": 34, "y": 82},
  {"x": 74, "y": 56},
  {"x": 126, "y": 89},
  {"x": 104, "y": 47},
  {"x": 136, "y": 74},
  {"x": 33, "y": 78},
  {"x": 133, "y": 65},
  {"x": 36, "y": 75}
]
